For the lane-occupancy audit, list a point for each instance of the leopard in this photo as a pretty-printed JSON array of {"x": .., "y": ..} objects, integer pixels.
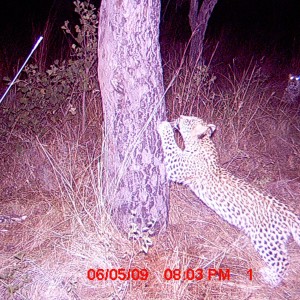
[
  {"x": 263, "y": 218},
  {"x": 291, "y": 93}
]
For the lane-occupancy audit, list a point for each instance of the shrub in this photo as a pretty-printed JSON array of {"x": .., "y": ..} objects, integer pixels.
[{"x": 59, "y": 94}]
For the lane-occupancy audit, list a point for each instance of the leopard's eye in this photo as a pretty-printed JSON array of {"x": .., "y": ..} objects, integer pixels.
[{"x": 201, "y": 136}]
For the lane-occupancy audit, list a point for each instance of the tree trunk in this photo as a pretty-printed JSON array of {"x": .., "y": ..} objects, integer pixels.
[
  {"x": 131, "y": 81},
  {"x": 198, "y": 18}
]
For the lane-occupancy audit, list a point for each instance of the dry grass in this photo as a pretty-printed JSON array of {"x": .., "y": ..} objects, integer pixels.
[{"x": 57, "y": 184}]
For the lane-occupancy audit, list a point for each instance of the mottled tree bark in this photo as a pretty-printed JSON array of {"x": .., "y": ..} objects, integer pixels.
[
  {"x": 199, "y": 15},
  {"x": 130, "y": 76}
]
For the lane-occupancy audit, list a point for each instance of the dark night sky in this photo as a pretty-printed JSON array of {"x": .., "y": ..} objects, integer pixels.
[
  {"x": 265, "y": 23},
  {"x": 273, "y": 19},
  {"x": 19, "y": 19}
]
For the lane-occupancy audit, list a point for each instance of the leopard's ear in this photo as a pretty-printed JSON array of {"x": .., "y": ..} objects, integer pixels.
[
  {"x": 211, "y": 129},
  {"x": 206, "y": 130}
]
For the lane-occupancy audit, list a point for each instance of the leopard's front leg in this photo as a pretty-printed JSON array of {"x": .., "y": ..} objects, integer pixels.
[{"x": 173, "y": 154}]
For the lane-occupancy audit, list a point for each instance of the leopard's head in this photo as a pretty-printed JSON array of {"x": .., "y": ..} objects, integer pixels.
[
  {"x": 294, "y": 79},
  {"x": 193, "y": 128}
]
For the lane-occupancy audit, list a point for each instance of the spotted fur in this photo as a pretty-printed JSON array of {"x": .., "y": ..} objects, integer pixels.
[{"x": 262, "y": 217}]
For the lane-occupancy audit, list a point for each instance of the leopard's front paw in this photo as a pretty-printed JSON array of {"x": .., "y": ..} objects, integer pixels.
[
  {"x": 164, "y": 127},
  {"x": 175, "y": 123}
]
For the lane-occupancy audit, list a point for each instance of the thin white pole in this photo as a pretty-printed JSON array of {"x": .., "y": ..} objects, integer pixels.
[{"x": 13, "y": 81}]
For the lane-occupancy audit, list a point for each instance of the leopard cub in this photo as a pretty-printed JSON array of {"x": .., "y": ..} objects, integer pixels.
[
  {"x": 262, "y": 217},
  {"x": 292, "y": 91}
]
